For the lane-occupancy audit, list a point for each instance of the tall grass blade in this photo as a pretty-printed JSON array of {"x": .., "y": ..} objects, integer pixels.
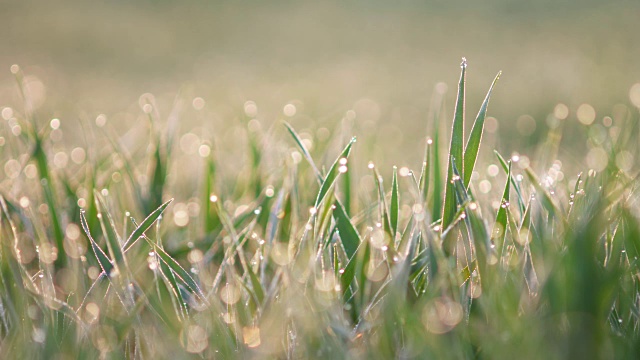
[
  {"x": 114, "y": 242},
  {"x": 394, "y": 207},
  {"x": 333, "y": 173},
  {"x": 473, "y": 144},
  {"x": 455, "y": 150}
]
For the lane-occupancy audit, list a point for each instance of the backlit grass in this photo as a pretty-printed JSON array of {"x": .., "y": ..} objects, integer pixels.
[{"x": 129, "y": 248}]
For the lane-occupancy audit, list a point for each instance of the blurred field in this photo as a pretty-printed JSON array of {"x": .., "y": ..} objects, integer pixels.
[{"x": 99, "y": 57}]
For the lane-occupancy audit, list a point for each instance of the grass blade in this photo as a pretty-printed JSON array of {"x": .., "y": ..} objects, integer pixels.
[
  {"x": 178, "y": 270},
  {"x": 144, "y": 226},
  {"x": 500, "y": 226},
  {"x": 103, "y": 259},
  {"x": 114, "y": 243},
  {"x": 455, "y": 150},
  {"x": 394, "y": 207},
  {"x": 348, "y": 234},
  {"x": 473, "y": 144},
  {"x": 333, "y": 173},
  {"x": 304, "y": 150}
]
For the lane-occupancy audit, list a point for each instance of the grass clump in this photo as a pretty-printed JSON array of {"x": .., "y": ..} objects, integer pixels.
[{"x": 133, "y": 253}]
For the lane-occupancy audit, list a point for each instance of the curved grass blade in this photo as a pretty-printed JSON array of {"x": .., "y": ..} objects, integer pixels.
[
  {"x": 473, "y": 144},
  {"x": 144, "y": 226},
  {"x": 425, "y": 174},
  {"x": 455, "y": 151},
  {"x": 304, "y": 150},
  {"x": 349, "y": 236},
  {"x": 333, "y": 173}
]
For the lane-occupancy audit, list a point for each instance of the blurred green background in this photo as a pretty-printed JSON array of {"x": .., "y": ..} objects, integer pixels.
[{"x": 92, "y": 57}]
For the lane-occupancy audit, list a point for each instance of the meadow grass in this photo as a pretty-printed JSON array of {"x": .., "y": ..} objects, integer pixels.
[{"x": 138, "y": 253}]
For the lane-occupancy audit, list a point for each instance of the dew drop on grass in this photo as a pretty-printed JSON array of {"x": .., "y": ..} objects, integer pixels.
[
  {"x": 289, "y": 110},
  {"x": 101, "y": 120},
  {"x": 54, "y": 123},
  {"x": 269, "y": 191},
  {"x": 24, "y": 202},
  {"x": 7, "y": 113},
  {"x": 198, "y": 103}
]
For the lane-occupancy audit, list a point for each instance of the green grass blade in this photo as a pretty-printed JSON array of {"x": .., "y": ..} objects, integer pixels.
[
  {"x": 144, "y": 226},
  {"x": 114, "y": 243},
  {"x": 500, "y": 226},
  {"x": 514, "y": 183},
  {"x": 348, "y": 234},
  {"x": 425, "y": 174},
  {"x": 333, "y": 173},
  {"x": 103, "y": 259},
  {"x": 382, "y": 203},
  {"x": 394, "y": 207},
  {"x": 545, "y": 197},
  {"x": 178, "y": 270},
  {"x": 455, "y": 151},
  {"x": 473, "y": 144},
  {"x": 258, "y": 289},
  {"x": 436, "y": 208},
  {"x": 304, "y": 150}
]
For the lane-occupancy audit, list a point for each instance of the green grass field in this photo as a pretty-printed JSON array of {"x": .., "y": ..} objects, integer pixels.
[{"x": 272, "y": 242}]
